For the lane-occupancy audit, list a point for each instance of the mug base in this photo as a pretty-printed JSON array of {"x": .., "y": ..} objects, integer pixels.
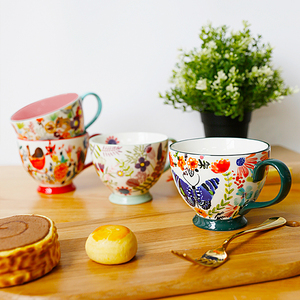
[
  {"x": 220, "y": 225},
  {"x": 130, "y": 200},
  {"x": 56, "y": 190}
]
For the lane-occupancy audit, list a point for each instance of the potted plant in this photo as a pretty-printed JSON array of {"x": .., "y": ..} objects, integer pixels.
[{"x": 225, "y": 79}]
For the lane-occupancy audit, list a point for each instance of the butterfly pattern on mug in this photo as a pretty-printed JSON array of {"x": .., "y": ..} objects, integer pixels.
[
  {"x": 197, "y": 195},
  {"x": 199, "y": 192}
]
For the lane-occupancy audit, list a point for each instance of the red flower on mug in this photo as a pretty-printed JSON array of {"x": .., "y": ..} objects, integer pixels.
[
  {"x": 220, "y": 166},
  {"x": 40, "y": 120},
  {"x": 50, "y": 149},
  {"x": 170, "y": 178},
  {"x": 192, "y": 163},
  {"x": 244, "y": 164}
]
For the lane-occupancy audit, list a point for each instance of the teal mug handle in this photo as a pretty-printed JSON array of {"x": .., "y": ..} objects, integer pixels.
[
  {"x": 258, "y": 175},
  {"x": 167, "y": 166},
  {"x": 98, "y": 110}
]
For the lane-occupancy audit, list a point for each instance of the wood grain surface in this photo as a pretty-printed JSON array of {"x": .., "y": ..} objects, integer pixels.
[
  {"x": 163, "y": 224},
  {"x": 155, "y": 272}
]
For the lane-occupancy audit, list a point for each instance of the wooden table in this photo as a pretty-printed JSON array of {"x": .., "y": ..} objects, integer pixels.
[{"x": 90, "y": 202}]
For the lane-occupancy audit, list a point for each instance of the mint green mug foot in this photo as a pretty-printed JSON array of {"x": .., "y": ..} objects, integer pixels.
[{"x": 130, "y": 200}]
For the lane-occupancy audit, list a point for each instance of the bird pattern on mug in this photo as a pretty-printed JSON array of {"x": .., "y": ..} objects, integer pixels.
[{"x": 52, "y": 164}]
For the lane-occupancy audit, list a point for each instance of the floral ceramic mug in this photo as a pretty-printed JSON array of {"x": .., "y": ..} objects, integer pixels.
[
  {"x": 221, "y": 178},
  {"x": 54, "y": 163},
  {"x": 57, "y": 117},
  {"x": 130, "y": 163}
]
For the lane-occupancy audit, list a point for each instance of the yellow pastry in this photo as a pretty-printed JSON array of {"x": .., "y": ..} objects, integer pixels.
[
  {"x": 111, "y": 244},
  {"x": 29, "y": 248}
]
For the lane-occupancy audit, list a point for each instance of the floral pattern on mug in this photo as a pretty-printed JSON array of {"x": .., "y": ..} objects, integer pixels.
[
  {"x": 129, "y": 172},
  {"x": 234, "y": 174},
  {"x": 68, "y": 123},
  {"x": 52, "y": 165},
  {"x": 112, "y": 140}
]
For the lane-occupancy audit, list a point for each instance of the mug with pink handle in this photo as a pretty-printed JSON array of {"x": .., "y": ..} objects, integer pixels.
[
  {"x": 57, "y": 117},
  {"x": 54, "y": 163}
]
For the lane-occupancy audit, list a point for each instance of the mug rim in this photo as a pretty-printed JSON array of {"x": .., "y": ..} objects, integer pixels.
[
  {"x": 162, "y": 138},
  {"x": 238, "y": 153},
  {"x": 54, "y": 140},
  {"x": 14, "y": 118}
]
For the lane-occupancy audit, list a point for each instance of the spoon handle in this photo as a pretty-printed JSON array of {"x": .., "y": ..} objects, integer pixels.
[{"x": 270, "y": 223}]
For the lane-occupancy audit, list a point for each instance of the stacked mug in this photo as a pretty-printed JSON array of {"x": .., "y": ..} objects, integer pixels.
[{"x": 53, "y": 141}]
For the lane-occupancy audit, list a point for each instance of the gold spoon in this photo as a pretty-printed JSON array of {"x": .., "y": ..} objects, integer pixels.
[{"x": 216, "y": 257}]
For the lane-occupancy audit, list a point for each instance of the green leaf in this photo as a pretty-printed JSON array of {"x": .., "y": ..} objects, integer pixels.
[
  {"x": 237, "y": 54},
  {"x": 20, "y": 125}
]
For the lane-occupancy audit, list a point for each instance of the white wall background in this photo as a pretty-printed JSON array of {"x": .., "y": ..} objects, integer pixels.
[{"x": 124, "y": 50}]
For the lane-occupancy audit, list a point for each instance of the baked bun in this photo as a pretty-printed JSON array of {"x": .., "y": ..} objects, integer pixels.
[
  {"x": 111, "y": 244},
  {"x": 29, "y": 248}
]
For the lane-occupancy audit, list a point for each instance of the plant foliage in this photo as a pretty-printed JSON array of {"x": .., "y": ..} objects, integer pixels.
[{"x": 231, "y": 73}]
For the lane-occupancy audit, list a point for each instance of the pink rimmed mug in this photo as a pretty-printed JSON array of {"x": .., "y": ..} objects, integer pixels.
[
  {"x": 58, "y": 117},
  {"x": 54, "y": 163}
]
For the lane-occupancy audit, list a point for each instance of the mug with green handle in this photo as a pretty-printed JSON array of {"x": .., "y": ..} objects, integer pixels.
[
  {"x": 53, "y": 118},
  {"x": 221, "y": 178}
]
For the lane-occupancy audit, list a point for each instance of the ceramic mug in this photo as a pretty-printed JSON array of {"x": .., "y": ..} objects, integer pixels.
[
  {"x": 130, "y": 163},
  {"x": 57, "y": 117},
  {"x": 54, "y": 163},
  {"x": 221, "y": 178}
]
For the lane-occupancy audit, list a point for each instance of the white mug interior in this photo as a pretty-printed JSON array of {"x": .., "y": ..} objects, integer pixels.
[
  {"x": 129, "y": 138},
  {"x": 220, "y": 146}
]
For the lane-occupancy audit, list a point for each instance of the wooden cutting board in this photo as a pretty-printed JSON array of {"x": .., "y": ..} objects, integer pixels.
[{"x": 155, "y": 272}]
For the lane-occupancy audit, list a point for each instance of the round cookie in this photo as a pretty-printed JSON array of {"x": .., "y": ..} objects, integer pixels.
[
  {"x": 111, "y": 244},
  {"x": 29, "y": 248}
]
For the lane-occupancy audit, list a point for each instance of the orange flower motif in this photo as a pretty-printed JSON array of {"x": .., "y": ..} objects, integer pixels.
[
  {"x": 22, "y": 137},
  {"x": 60, "y": 172},
  {"x": 201, "y": 212},
  {"x": 220, "y": 166},
  {"x": 69, "y": 151},
  {"x": 265, "y": 155},
  {"x": 181, "y": 163},
  {"x": 192, "y": 163},
  {"x": 171, "y": 160},
  {"x": 66, "y": 135}
]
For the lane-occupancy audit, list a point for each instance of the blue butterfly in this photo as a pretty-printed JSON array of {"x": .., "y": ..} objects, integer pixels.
[{"x": 193, "y": 194}]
